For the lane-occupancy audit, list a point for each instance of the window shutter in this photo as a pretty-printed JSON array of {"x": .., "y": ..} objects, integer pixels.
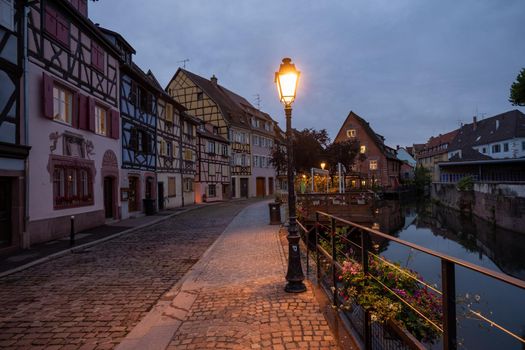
[
  {"x": 62, "y": 30},
  {"x": 83, "y": 119},
  {"x": 82, "y": 7},
  {"x": 47, "y": 96},
  {"x": 115, "y": 123},
  {"x": 91, "y": 114},
  {"x": 74, "y": 110},
  {"x": 94, "y": 54},
  {"x": 50, "y": 21}
]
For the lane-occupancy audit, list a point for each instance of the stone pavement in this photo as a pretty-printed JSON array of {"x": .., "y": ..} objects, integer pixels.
[
  {"x": 234, "y": 298},
  {"x": 92, "y": 298}
]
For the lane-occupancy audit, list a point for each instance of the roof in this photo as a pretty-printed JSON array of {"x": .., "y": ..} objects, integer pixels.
[
  {"x": 235, "y": 108},
  {"x": 436, "y": 145},
  {"x": 389, "y": 152},
  {"x": 483, "y": 161},
  {"x": 209, "y": 135},
  {"x": 468, "y": 154},
  {"x": 164, "y": 94},
  {"x": 500, "y": 127},
  {"x": 118, "y": 37}
]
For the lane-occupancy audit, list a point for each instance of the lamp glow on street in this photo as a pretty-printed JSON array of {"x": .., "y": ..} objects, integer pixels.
[{"x": 286, "y": 80}]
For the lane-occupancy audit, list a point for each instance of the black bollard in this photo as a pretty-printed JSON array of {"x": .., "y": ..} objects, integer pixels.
[{"x": 72, "y": 233}]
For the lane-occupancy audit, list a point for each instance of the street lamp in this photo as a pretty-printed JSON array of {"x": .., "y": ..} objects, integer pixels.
[
  {"x": 323, "y": 164},
  {"x": 286, "y": 79}
]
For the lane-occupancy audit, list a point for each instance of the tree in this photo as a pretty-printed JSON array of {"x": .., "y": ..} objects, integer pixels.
[
  {"x": 517, "y": 90},
  {"x": 278, "y": 158},
  {"x": 342, "y": 152},
  {"x": 422, "y": 179}
]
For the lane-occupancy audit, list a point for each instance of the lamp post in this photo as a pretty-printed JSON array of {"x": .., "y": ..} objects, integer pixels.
[{"x": 286, "y": 79}]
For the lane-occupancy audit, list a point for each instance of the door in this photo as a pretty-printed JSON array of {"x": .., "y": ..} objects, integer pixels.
[
  {"x": 244, "y": 187},
  {"x": 133, "y": 194},
  {"x": 260, "y": 187},
  {"x": 108, "y": 197},
  {"x": 270, "y": 186},
  {"x": 234, "y": 188},
  {"x": 160, "y": 195},
  {"x": 5, "y": 211}
]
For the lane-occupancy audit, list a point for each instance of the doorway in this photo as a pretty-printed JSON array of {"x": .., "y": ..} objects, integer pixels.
[
  {"x": 260, "y": 186},
  {"x": 133, "y": 194},
  {"x": 234, "y": 187},
  {"x": 5, "y": 212},
  {"x": 244, "y": 187},
  {"x": 160, "y": 195},
  {"x": 109, "y": 199},
  {"x": 270, "y": 186}
]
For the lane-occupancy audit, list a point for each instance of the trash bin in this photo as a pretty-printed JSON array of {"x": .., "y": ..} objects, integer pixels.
[
  {"x": 149, "y": 206},
  {"x": 275, "y": 213}
]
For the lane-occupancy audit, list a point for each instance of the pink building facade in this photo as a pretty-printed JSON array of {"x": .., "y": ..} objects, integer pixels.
[{"x": 74, "y": 125}]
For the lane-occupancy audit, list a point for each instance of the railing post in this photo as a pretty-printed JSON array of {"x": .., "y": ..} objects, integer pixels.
[
  {"x": 334, "y": 259},
  {"x": 448, "y": 287},
  {"x": 317, "y": 258},
  {"x": 367, "y": 324}
]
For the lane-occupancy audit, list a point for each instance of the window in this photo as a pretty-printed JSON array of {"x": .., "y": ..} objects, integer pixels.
[
  {"x": 505, "y": 147},
  {"x": 80, "y": 5},
  {"x": 97, "y": 57},
  {"x": 255, "y": 140},
  {"x": 172, "y": 189},
  {"x": 211, "y": 147},
  {"x": 169, "y": 113},
  {"x": 362, "y": 149},
  {"x": 224, "y": 150},
  {"x": 7, "y": 14},
  {"x": 101, "y": 120},
  {"x": 496, "y": 148},
  {"x": 188, "y": 155},
  {"x": 373, "y": 164},
  {"x": 200, "y": 95},
  {"x": 484, "y": 150},
  {"x": 188, "y": 184},
  {"x": 62, "y": 104},
  {"x": 350, "y": 133},
  {"x": 72, "y": 186},
  {"x": 211, "y": 169},
  {"x": 256, "y": 161},
  {"x": 169, "y": 149},
  {"x": 212, "y": 191},
  {"x": 56, "y": 25}
]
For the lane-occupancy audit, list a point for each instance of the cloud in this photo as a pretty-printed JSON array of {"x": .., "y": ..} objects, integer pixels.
[{"x": 413, "y": 69}]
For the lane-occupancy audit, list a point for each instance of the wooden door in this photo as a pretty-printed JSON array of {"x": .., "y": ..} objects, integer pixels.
[
  {"x": 244, "y": 187},
  {"x": 160, "y": 195},
  {"x": 260, "y": 187},
  {"x": 108, "y": 197},
  {"x": 133, "y": 194},
  {"x": 5, "y": 211}
]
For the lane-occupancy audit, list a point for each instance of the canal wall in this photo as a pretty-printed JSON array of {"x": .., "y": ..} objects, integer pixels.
[{"x": 499, "y": 203}]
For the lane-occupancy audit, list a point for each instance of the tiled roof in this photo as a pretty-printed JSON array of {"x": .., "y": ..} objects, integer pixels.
[
  {"x": 500, "y": 127},
  {"x": 468, "y": 154},
  {"x": 437, "y": 145}
]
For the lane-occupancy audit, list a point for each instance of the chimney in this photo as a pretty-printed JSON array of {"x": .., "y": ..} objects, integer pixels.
[
  {"x": 213, "y": 80},
  {"x": 474, "y": 122}
]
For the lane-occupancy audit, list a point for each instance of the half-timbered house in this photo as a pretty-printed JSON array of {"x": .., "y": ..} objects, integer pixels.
[
  {"x": 188, "y": 152},
  {"x": 230, "y": 114},
  {"x": 169, "y": 137},
  {"x": 213, "y": 165},
  {"x": 138, "y": 109},
  {"x": 13, "y": 147},
  {"x": 376, "y": 165},
  {"x": 74, "y": 123}
]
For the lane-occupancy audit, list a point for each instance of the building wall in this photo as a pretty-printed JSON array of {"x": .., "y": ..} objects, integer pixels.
[
  {"x": 171, "y": 202},
  {"x": 47, "y": 138}
]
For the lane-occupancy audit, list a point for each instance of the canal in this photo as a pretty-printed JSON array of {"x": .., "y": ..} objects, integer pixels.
[{"x": 472, "y": 240}]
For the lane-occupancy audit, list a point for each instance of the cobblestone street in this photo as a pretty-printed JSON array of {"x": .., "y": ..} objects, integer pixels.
[{"x": 92, "y": 299}]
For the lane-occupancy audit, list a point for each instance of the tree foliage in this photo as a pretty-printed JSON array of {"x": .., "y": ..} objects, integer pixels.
[
  {"x": 422, "y": 179},
  {"x": 342, "y": 152},
  {"x": 309, "y": 148},
  {"x": 517, "y": 90}
]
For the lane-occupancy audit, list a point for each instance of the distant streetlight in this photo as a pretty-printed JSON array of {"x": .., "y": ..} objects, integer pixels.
[
  {"x": 323, "y": 164},
  {"x": 286, "y": 79}
]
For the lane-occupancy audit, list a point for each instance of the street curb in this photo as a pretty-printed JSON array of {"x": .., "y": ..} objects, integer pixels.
[{"x": 98, "y": 241}]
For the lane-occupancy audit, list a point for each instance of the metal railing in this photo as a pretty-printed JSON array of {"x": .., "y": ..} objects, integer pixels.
[{"x": 331, "y": 248}]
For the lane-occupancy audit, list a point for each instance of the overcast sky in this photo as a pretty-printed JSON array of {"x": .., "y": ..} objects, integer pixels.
[{"x": 411, "y": 68}]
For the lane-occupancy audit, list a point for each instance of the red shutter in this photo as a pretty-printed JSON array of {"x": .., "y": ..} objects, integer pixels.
[
  {"x": 47, "y": 96},
  {"x": 50, "y": 21},
  {"x": 62, "y": 30},
  {"x": 115, "y": 123},
  {"x": 91, "y": 113},
  {"x": 83, "y": 116},
  {"x": 74, "y": 110}
]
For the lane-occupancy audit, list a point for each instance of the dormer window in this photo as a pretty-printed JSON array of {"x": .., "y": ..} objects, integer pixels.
[{"x": 351, "y": 133}]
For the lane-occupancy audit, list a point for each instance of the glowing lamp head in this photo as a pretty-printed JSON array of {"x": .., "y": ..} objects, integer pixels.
[
  {"x": 323, "y": 164},
  {"x": 286, "y": 79}
]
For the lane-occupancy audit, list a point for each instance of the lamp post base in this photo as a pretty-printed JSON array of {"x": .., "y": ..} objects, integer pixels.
[{"x": 295, "y": 287}]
